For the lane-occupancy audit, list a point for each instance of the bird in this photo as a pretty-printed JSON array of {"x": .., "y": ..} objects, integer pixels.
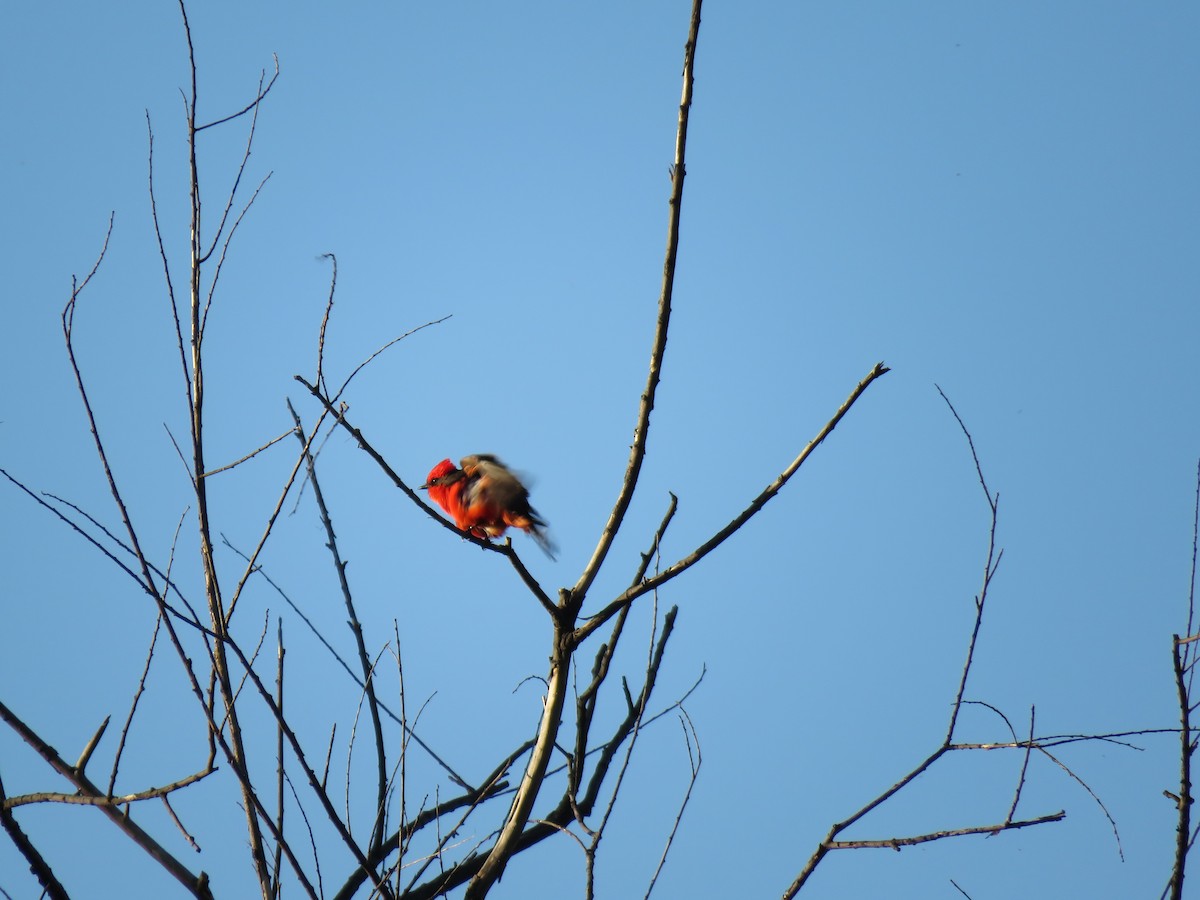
[{"x": 485, "y": 499}]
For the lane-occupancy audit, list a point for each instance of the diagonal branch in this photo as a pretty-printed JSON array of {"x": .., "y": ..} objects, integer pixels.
[
  {"x": 41, "y": 870},
  {"x": 505, "y": 548},
  {"x": 410, "y": 734},
  {"x": 293, "y": 741},
  {"x": 744, "y": 516},
  {"x": 368, "y": 669},
  {"x": 253, "y": 104},
  {"x": 197, "y": 885}
]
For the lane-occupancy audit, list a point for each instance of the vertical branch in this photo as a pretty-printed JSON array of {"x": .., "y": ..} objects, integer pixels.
[
  {"x": 637, "y": 451},
  {"x": 1189, "y": 655},
  {"x": 1183, "y": 659},
  {"x": 989, "y": 571},
  {"x": 319, "y": 381},
  {"x": 1184, "y": 799},
  {"x": 279, "y": 770},
  {"x": 162, "y": 253},
  {"x": 212, "y": 590},
  {"x": 571, "y": 601},
  {"x": 401, "y": 843}
]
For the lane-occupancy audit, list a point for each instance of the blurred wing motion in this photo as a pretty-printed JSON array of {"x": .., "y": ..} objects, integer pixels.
[{"x": 485, "y": 499}]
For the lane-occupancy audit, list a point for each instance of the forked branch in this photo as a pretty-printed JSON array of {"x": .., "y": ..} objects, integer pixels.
[{"x": 832, "y": 840}]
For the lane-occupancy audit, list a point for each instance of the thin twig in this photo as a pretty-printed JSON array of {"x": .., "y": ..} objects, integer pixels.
[
  {"x": 362, "y": 365},
  {"x": 831, "y": 842},
  {"x": 320, "y": 379},
  {"x": 137, "y": 695},
  {"x": 253, "y": 104},
  {"x": 458, "y": 779},
  {"x": 1191, "y": 635},
  {"x": 176, "y": 319},
  {"x": 312, "y": 840},
  {"x": 991, "y": 563},
  {"x": 187, "y": 835},
  {"x": 248, "y": 456},
  {"x": 695, "y": 759},
  {"x": 270, "y": 526},
  {"x": 298, "y": 752},
  {"x": 1024, "y": 768},
  {"x": 212, "y": 284}
]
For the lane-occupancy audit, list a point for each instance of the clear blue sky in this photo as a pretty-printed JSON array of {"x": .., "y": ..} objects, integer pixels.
[{"x": 999, "y": 198}]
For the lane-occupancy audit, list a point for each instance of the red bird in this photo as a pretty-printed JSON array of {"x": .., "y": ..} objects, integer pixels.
[{"x": 485, "y": 499}]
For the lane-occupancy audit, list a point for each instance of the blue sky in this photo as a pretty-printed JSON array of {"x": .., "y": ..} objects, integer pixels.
[{"x": 997, "y": 198}]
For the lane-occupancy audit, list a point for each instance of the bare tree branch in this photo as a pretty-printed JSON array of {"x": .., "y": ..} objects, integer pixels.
[
  {"x": 712, "y": 543},
  {"x": 1012, "y": 810},
  {"x": 831, "y": 841},
  {"x": 692, "y": 739},
  {"x": 197, "y": 885},
  {"x": 133, "y": 704},
  {"x": 78, "y": 799},
  {"x": 252, "y": 105},
  {"x": 506, "y": 548},
  {"x": 280, "y": 766},
  {"x": 319, "y": 380},
  {"x": 253, "y": 453},
  {"x": 449, "y": 770},
  {"x": 1183, "y": 655},
  {"x": 41, "y": 869},
  {"x": 897, "y": 843},
  {"x": 212, "y": 586},
  {"x": 991, "y": 563},
  {"x": 641, "y": 430}
]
